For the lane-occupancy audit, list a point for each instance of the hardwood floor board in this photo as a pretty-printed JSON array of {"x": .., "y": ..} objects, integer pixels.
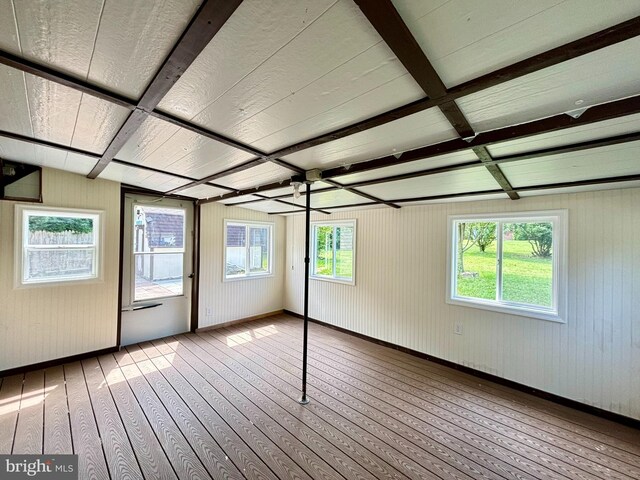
[
  {"x": 57, "y": 427},
  {"x": 212, "y": 456},
  {"x": 369, "y": 438},
  {"x": 10, "y": 395},
  {"x": 151, "y": 457},
  {"x": 181, "y": 455},
  {"x": 84, "y": 431},
  {"x": 121, "y": 460},
  {"x": 251, "y": 373},
  {"x": 223, "y": 403},
  {"x": 30, "y": 428},
  {"x": 524, "y": 407},
  {"x": 227, "y": 404},
  {"x": 485, "y": 417},
  {"x": 436, "y": 442},
  {"x": 247, "y": 461},
  {"x": 275, "y": 420},
  {"x": 407, "y": 404}
]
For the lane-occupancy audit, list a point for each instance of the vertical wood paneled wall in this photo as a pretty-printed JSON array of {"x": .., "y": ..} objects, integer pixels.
[
  {"x": 399, "y": 296},
  {"x": 44, "y": 323},
  {"x": 233, "y": 300}
]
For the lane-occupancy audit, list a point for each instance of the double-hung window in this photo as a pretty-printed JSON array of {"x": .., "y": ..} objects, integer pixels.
[
  {"x": 513, "y": 263},
  {"x": 248, "y": 249},
  {"x": 57, "y": 245},
  {"x": 334, "y": 250}
]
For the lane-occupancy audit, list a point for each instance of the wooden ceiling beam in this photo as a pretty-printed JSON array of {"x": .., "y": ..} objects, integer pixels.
[
  {"x": 205, "y": 24},
  {"x": 361, "y": 193},
  {"x": 384, "y": 17},
  {"x": 495, "y": 171}
]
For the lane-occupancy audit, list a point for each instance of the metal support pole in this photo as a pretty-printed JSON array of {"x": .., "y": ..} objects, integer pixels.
[{"x": 307, "y": 260}]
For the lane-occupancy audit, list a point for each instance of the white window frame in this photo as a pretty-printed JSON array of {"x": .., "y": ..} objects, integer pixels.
[
  {"x": 22, "y": 213},
  {"x": 332, "y": 278},
  {"x": 134, "y": 254},
  {"x": 248, "y": 275},
  {"x": 559, "y": 219}
]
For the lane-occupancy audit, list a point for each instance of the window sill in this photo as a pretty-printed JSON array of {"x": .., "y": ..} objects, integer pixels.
[
  {"x": 58, "y": 283},
  {"x": 511, "y": 310},
  {"x": 333, "y": 280},
  {"x": 248, "y": 277}
]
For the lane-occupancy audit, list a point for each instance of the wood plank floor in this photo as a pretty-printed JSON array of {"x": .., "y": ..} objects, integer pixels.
[{"x": 222, "y": 404}]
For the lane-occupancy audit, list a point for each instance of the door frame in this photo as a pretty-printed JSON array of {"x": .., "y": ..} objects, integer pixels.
[{"x": 195, "y": 256}]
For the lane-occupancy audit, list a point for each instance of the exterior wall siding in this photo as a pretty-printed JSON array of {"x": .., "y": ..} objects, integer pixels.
[{"x": 400, "y": 292}]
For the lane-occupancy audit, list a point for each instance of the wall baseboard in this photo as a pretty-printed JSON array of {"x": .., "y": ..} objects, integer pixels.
[
  {"x": 241, "y": 320},
  {"x": 57, "y": 361},
  {"x": 567, "y": 402}
]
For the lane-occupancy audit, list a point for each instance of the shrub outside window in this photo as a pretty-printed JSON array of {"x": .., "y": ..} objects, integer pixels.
[
  {"x": 248, "y": 249},
  {"x": 513, "y": 263},
  {"x": 334, "y": 247},
  {"x": 57, "y": 245}
]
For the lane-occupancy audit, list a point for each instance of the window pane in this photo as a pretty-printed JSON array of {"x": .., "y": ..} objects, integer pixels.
[
  {"x": 158, "y": 275},
  {"x": 476, "y": 260},
  {"x": 158, "y": 229},
  {"x": 60, "y": 230},
  {"x": 344, "y": 252},
  {"x": 258, "y": 249},
  {"x": 236, "y": 261},
  {"x": 323, "y": 264},
  {"x": 44, "y": 264},
  {"x": 527, "y": 263}
]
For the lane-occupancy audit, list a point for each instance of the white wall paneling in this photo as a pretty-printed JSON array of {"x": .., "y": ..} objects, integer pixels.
[
  {"x": 399, "y": 296},
  {"x": 465, "y": 39},
  {"x": 49, "y": 322},
  {"x": 234, "y": 300}
]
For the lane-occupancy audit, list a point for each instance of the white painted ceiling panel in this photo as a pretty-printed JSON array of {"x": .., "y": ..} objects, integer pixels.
[
  {"x": 45, "y": 156},
  {"x": 14, "y": 109},
  {"x": 616, "y": 160},
  {"x": 118, "y": 45},
  {"x": 417, "y": 130},
  {"x": 473, "y": 179},
  {"x": 289, "y": 189},
  {"x": 400, "y": 91},
  {"x": 594, "y": 131},
  {"x": 59, "y": 34},
  {"x": 428, "y": 163},
  {"x": 335, "y": 198},
  {"x": 471, "y": 198},
  {"x": 160, "y": 144},
  {"x": 141, "y": 178},
  {"x": 598, "y": 77},
  {"x": 254, "y": 177},
  {"x": 244, "y": 198},
  {"x": 38, "y": 108},
  {"x": 584, "y": 188},
  {"x": 134, "y": 39},
  {"x": 337, "y": 58},
  {"x": 256, "y": 31},
  {"x": 203, "y": 191},
  {"x": 270, "y": 206},
  {"x": 465, "y": 39}
]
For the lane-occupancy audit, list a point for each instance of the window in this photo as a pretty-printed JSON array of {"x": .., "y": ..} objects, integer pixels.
[
  {"x": 158, "y": 252},
  {"x": 334, "y": 247},
  {"x": 247, "y": 249},
  {"x": 56, "y": 245},
  {"x": 511, "y": 263}
]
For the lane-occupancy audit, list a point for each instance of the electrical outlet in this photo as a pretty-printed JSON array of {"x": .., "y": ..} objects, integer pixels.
[
  {"x": 208, "y": 311},
  {"x": 457, "y": 329}
]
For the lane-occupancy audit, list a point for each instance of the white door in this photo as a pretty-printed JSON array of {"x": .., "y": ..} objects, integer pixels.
[{"x": 157, "y": 268}]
